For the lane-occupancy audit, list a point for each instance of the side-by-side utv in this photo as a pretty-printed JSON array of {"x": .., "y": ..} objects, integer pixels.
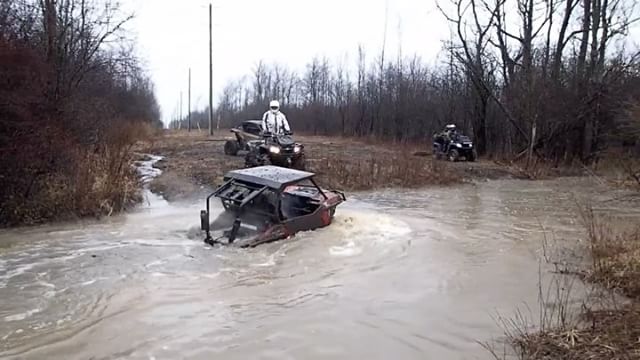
[
  {"x": 245, "y": 132},
  {"x": 268, "y": 203}
]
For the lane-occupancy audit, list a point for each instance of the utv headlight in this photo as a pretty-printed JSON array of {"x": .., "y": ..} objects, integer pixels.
[
  {"x": 297, "y": 149},
  {"x": 274, "y": 150}
]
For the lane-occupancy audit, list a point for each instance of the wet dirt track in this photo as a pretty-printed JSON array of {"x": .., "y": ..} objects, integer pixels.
[{"x": 400, "y": 274}]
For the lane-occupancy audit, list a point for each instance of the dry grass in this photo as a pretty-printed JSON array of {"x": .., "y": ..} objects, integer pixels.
[
  {"x": 631, "y": 169},
  {"x": 619, "y": 168},
  {"x": 605, "y": 334},
  {"x": 615, "y": 254},
  {"x": 539, "y": 169},
  {"x": 86, "y": 181},
  {"x": 365, "y": 164},
  {"x": 611, "y": 333},
  {"x": 379, "y": 172}
]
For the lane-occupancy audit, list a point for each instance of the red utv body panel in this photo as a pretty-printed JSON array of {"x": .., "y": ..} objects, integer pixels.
[{"x": 284, "y": 201}]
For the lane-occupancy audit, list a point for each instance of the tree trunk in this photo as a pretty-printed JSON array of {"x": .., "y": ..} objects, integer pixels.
[
  {"x": 582, "y": 54},
  {"x": 534, "y": 130},
  {"x": 547, "y": 48},
  {"x": 50, "y": 30},
  {"x": 481, "y": 126},
  {"x": 595, "y": 27},
  {"x": 560, "y": 43},
  {"x": 587, "y": 139},
  {"x": 604, "y": 37}
]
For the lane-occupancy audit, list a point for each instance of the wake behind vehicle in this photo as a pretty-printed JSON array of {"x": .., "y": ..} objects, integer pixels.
[
  {"x": 247, "y": 131},
  {"x": 453, "y": 146},
  {"x": 268, "y": 203},
  {"x": 279, "y": 150}
]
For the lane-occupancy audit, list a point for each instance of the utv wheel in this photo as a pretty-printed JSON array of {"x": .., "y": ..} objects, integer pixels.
[
  {"x": 231, "y": 148},
  {"x": 453, "y": 155}
]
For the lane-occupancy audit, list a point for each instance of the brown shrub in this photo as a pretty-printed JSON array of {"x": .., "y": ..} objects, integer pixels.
[
  {"x": 53, "y": 178},
  {"x": 67, "y": 122},
  {"x": 607, "y": 334},
  {"x": 615, "y": 254}
]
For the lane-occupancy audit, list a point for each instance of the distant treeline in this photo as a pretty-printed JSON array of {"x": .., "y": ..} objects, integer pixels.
[
  {"x": 559, "y": 86},
  {"x": 73, "y": 100}
]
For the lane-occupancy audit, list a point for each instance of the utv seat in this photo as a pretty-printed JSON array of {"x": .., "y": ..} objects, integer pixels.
[{"x": 295, "y": 206}]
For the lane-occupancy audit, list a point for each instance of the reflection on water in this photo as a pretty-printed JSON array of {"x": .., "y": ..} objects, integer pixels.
[{"x": 400, "y": 274}]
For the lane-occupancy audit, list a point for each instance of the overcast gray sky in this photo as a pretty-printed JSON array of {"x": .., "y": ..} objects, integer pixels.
[{"x": 173, "y": 36}]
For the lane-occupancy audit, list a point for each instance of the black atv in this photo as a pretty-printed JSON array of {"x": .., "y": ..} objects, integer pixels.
[
  {"x": 278, "y": 150},
  {"x": 454, "y": 148},
  {"x": 247, "y": 131}
]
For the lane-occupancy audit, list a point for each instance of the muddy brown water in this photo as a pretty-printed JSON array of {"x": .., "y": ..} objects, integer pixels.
[{"x": 400, "y": 274}]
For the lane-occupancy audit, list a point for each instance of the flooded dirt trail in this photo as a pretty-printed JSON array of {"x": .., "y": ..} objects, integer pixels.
[{"x": 400, "y": 274}]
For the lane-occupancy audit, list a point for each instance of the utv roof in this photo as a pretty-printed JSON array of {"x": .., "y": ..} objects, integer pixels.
[{"x": 271, "y": 176}]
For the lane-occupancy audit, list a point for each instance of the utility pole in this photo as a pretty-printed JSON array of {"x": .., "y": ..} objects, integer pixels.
[
  {"x": 189, "y": 103},
  {"x": 177, "y": 112},
  {"x": 210, "y": 74}
]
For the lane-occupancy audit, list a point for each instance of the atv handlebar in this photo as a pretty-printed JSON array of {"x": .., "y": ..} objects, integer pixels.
[{"x": 270, "y": 134}]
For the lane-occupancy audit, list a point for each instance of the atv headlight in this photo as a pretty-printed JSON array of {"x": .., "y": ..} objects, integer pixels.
[
  {"x": 459, "y": 145},
  {"x": 296, "y": 149},
  {"x": 274, "y": 149}
]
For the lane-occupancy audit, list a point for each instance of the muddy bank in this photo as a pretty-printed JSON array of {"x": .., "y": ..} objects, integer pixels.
[{"x": 196, "y": 163}]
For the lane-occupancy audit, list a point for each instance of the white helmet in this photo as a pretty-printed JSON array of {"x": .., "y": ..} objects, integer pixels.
[{"x": 274, "y": 105}]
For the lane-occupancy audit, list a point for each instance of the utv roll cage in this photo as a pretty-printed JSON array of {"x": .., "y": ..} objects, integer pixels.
[{"x": 257, "y": 191}]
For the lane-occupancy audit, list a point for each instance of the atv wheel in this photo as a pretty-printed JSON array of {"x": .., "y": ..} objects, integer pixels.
[
  {"x": 231, "y": 147},
  {"x": 474, "y": 156},
  {"x": 250, "y": 160},
  {"x": 436, "y": 152},
  {"x": 300, "y": 163},
  {"x": 453, "y": 155},
  {"x": 264, "y": 160}
]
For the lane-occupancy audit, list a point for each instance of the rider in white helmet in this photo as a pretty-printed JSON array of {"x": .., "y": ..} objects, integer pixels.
[{"x": 274, "y": 121}]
